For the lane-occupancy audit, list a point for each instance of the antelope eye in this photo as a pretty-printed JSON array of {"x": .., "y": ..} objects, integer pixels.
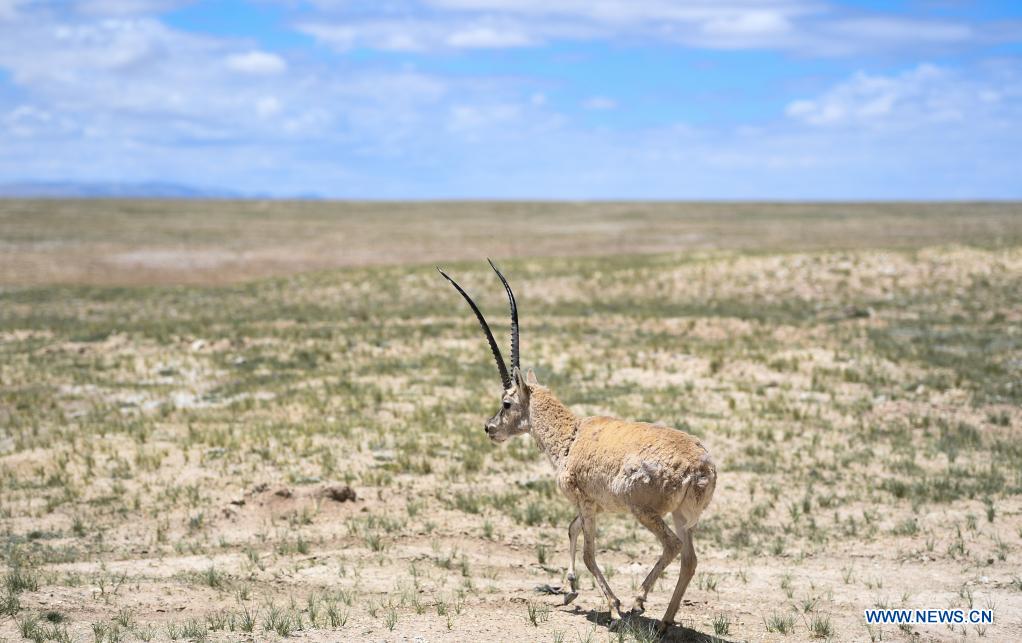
[{"x": 507, "y": 404}]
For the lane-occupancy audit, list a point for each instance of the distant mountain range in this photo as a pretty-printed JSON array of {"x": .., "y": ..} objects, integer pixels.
[{"x": 154, "y": 189}]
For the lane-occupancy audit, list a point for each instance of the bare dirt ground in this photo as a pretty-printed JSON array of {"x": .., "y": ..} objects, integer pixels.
[
  {"x": 177, "y": 462},
  {"x": 128, "y": 242}
]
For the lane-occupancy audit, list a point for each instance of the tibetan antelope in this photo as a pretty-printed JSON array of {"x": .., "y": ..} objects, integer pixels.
[{"x": 605, "y": 464}]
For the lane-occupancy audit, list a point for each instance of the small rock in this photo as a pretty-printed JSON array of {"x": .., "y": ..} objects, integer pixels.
[
  {"x": 261, "y": 487},
  {"x": 239, "y": 502},
  {"x": 283, "y": 492},
  {"x": 339, "y": 493},
  {"x": 854, "y": 312}
]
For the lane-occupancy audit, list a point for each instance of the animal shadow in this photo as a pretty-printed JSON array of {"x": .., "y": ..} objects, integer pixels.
[{"x": 643, "y": 628}]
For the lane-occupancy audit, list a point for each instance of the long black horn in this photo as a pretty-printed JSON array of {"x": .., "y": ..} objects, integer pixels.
[
  {"x": 504, "y": 377},
  {"x": 514, "y": 317}
]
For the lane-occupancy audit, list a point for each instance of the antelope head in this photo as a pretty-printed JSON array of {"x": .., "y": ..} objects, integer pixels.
[{"x": 512, "y": 418}]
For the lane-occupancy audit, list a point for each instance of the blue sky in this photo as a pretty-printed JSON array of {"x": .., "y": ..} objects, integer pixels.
[{"x": 565, "y": 99}]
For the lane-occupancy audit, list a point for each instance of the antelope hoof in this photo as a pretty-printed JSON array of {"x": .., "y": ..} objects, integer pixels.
[
  {"x": 573, "y": 581},
  {"x": 569, "y": 597},
  {"x": 615, "y": 607},
  {"x": 663, "y": 626}
]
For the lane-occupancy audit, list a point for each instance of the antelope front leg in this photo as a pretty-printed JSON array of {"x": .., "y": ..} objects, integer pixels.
[
  {"x": 573, "y": 529},
  {"x": 589, "y": 558}
]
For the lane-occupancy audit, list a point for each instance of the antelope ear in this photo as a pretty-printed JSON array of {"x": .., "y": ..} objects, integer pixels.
[
  {"x": 530, "y": 378},
  {"x": 520, "y": 379}
]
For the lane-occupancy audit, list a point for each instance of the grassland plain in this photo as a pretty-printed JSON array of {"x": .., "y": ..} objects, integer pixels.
[{"x": 170, "y": 454}]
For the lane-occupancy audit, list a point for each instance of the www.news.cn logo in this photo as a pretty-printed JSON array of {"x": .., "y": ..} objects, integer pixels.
[{"x": 929, "y": 617}]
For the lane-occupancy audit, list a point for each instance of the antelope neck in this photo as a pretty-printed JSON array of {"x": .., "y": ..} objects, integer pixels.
[{"x": 552, "y": 424}]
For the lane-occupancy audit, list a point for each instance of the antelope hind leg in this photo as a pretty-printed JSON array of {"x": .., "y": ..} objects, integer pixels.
[
  {"x": 671, "y": 544},
  {"x": 688, "y": 568}
]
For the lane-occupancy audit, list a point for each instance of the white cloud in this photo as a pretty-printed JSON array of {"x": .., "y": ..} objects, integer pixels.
[
  {"x": 599, "y": 103},
  {"x": 814, "y": 27},
  {"x": 9, "y": 9},
  {"x": 888, "y": 29},
  {"x": 418, "y": 35},
  {"x": 748, "y": 23},
  {"x": 256, "y": 62},
  {"x": 126, "y": 7},
  {"x": 630, "y": 11},
  {"x": 468, "y": 118},
  {"x": 267, "y": 106},
  {"x": 135, "y": 79},
  {"x": 483, "y": 37},
  {"x": 467, "y": 24},
  {"x": 922, "y": 95},
  {"x": 30, "y": 121},
  {"x": 387, "y": 36},
  {"x": 340, "y": 37}
]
